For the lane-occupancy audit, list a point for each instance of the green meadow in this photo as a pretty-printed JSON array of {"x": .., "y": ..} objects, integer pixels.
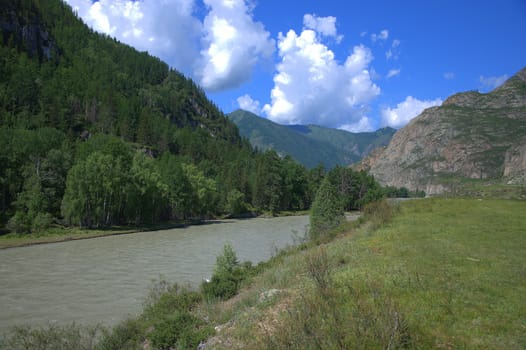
[{"x": 442, "y": 273}]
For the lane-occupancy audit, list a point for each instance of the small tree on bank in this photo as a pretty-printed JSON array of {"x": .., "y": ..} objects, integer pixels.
[{"x": 327, "y": 210}]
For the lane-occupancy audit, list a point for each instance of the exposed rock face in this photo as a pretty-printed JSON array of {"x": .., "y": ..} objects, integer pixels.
[
  {"x": 36, "y": 39},
  {"x": 472, "y": 135},
  {"x": 515, "y": 163}
]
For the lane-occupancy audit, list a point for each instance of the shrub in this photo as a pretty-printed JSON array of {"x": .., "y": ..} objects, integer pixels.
[
  {"x": 227, "y": 277},
  {"x": 170, "y": 320},
  {"x": 41, "y": 222},
  {"x": 126, "y": 335}
]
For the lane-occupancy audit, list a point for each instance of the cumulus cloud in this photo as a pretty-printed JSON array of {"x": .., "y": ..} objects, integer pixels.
[
  {"x": 382, "y": 36},
  {"x": 311, "y": 86},
  {"x": 248, "y": 104},
  {"x": 405, "y": 111},
  {"x": 324, "y": 25},
  {"x": 165, "y": 29},
  {"x": 393, "y": 73},
  {"x": 490, "y": 83},
  {"x": 233, "y": 44},
  {"x": 220, "y": 52}
]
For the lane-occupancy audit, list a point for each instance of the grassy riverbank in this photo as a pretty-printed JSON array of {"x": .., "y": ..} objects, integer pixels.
[
  {"x": 444, "y": 273},
  {"x": 63, "y": 234},
  {"x": 432, "y": 273}
]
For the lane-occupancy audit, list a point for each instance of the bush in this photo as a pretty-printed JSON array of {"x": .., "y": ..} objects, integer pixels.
[
  {"x": 227, "y": 277},
  {"x": 19, "y": 223},
  {"x": 126, "y": 335},
  {"x": 180, "y": 329},
  {"x": 41, "y": 222},
  {"x": 170, "y": 318}
]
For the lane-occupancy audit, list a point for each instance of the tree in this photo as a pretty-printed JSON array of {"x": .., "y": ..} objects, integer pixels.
[
  {"x": 227, "y": 276},
  {"x": 327, "y": 210},
  {"x": 148, "y": 192},
  {"x": 95, "y": 191}
]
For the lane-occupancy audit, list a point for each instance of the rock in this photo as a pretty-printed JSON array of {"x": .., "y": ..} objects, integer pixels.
[
  {"x": 471, "y": 136},
  {"x": 268, "y": 295}
]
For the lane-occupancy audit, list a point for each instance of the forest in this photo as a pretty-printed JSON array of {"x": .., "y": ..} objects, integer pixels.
[{"x": 94, "y": 133}]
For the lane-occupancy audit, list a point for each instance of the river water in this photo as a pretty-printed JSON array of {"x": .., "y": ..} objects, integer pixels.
[{"x": 106, "y": 279}]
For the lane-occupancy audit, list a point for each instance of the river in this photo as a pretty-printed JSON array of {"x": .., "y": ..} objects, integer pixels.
[{"x": 106, "y": 279}]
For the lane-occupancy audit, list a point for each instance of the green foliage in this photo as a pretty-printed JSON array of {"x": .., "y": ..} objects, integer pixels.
[
  {"x": 125, "y": 335},
  {"x": 227, "y": 277},
  {"x": 327, "y": 210},
  {"x": 174, "y": 324}
]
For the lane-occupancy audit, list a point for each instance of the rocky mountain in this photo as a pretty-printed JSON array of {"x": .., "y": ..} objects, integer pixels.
[
  {"x": 309, "y": 144},
  {"x": 471, "y": 137}
]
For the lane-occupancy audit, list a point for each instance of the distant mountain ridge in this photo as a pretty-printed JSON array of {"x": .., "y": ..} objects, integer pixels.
[
  {"x": 309, "y": 144},
  {"x": 471, "y": 137}
]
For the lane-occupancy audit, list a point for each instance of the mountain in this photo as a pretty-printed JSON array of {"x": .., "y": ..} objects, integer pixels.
[
  {"x": 471, "y": 138},
  {"x": 309, "y": 144}
]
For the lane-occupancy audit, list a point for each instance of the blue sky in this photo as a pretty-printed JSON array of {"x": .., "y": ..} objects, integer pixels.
[{"x": 355, "y": 65}]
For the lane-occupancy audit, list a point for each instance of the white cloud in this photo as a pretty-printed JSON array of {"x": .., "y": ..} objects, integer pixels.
[
  {"x": 324, "y": 25},
  {"x": 394, "y": 51},
  {"x": 490, "y": 83},
  {"x": 382, "y": 36},
  {"x": 311, "y": 86},
  {"x": 393, "y": 73},
  {"x": 248, "y": 104},
  {"x": 165, "y": 29},
  {"x": 405, "y": 111},
  {"x": 449, "y": 75},
  {"x": 363, "y": 125},
  {"x": 219, "y": 53},
  {"x": 233, "y": 44}
]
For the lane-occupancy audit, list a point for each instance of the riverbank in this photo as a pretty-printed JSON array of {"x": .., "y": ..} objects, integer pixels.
[
  {"x": 64, "y": 234},
  {"x": 443, "y": 273}
]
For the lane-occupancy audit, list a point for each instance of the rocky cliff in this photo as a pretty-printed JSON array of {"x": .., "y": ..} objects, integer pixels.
[{"x": 471, "y": 136}]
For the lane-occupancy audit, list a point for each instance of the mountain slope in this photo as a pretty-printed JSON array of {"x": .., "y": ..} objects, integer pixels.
[
  {"x": 471, "y": 137},
  {"x": 55, "y": 71},
  {"x": 309, "y": 144}
]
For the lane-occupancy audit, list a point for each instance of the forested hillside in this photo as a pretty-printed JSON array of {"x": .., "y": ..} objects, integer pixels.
[
  {"x": 94, "y": 133},
  {"x": 310, "y": 145}
]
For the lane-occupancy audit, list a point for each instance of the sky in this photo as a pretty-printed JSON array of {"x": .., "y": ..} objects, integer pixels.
[{"x": 352, "y": 65}]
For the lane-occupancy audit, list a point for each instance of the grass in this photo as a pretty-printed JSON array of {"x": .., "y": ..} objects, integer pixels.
[{"x": 444, "y": 273}]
